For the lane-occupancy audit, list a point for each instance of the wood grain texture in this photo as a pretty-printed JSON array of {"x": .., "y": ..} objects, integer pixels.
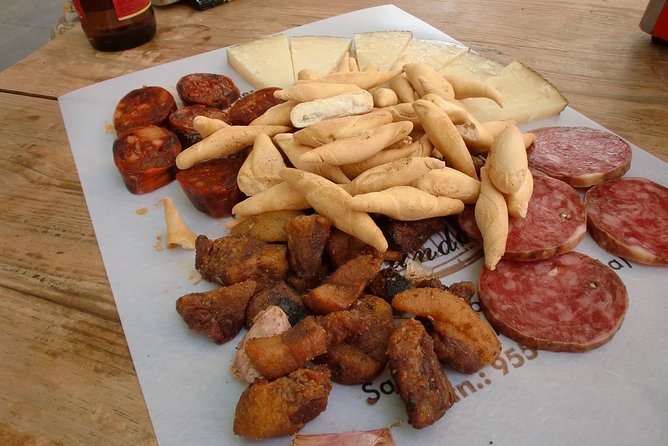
[{"x": 66, "y": 376}]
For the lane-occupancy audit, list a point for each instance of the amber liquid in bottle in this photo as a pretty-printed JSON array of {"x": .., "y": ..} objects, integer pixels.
[{"x": 106, "y": 32}]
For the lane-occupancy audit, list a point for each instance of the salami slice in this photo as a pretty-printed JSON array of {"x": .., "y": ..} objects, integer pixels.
[
  {"x": 150, "y": 105},
  {"x": 212, "y": 187},
  {"x": 146, "y": 158},
  {"x": 212, "y": 90},
  {"x": 569, "y": 303},
  {"x": 556, "y": 221},
  {"x": 629, "y": 217},
  {"x": 580, "y": 156},
  {"x": 181, "y": 122}
]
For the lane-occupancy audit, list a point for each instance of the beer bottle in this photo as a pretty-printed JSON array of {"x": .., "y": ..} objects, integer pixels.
[{"x": 114, "y": 25}]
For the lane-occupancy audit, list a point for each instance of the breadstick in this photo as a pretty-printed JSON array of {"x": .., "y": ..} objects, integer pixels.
[
  {"x": 404, "y": 112},
  {"x": 475, "y": 135},
  {"x": 448, "y": 182},
  {"x": 360, "y": 146},
  {"x": 224, "y": 142},
  {"x": 406, "y": 203},
  {"x": 445, "y": 136},
  {"x": 344, "y": 65},
  {"x": 178, "y": 233},
  {"x": 518, "y": 202},
  {"x": 400, "y": 172},
  {"x": 332, "y": 129},
  {"x": 416, "y": 148},
  {"x": 346, "y": 104},
  {"x": 466, "y": 87},
  {"x": 507, "y": 160},
  {"x": 372, "y": 67},
  {"x": 303, "y": 91},
  {"x": 352, "y": 64},
  {"x": 260, "y": 168},
  {"x": 277, "y": 115},
  {"x": 496, "y": 127},
  {"x": 457, "y": 113},
  {"x": 491, "y": 216},
  {"x": 333, "y": 202},
  {"x": 307, "y": 74},
  {"x": 420, "y": 73},
  {"x": 384, "y": 97},
  {"x": 206, "y": 126},
  {"x": 293, "y": 150},
  {"x": 280, "y": 197},
  {"x": 363, "y": 79}
]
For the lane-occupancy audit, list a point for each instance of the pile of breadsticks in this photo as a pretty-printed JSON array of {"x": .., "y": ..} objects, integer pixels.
[{"x": 396, "y": 142}]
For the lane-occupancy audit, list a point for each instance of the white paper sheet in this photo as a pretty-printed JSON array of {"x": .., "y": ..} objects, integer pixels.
[{"x": 614, "y": 395}]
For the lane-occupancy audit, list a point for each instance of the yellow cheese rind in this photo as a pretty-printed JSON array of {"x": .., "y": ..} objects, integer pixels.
[
  {"x": 265, "y": 62},
  {"x": 322, "y": 54},
  {"x": 382, "y": 48}
]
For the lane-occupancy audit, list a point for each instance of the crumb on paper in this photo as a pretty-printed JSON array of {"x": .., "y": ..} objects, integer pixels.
[{"x": 141, "y": 211}]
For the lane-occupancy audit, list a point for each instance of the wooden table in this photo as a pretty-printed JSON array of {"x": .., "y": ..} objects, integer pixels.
[{"x": 66, "y": 376}]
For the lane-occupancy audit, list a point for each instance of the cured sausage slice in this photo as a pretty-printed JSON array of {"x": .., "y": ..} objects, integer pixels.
[
  {"x": 569, "y": 303},
  {"x": 580, "y": 156},
  {"x": 628, "y": 217},
  {"x": 146, "y": 157},
  {"x": 212, "y": 187},
  {"x": 181, "y": 122},
  {"x": 149, "y": 105},
  {"x": 246, "y": 109},
  {"x": 556, "y": 221},
  {"x": 212, "y": 90}
]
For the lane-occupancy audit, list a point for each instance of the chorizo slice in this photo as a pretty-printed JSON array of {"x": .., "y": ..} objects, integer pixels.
[
  {"x": 253, "y": 105},
  {"x": 146, "y": 158},
  {"x": 181, "y": 122},
  {"x": 212, "y": 90},
  {"x": 150, "y": 105}
]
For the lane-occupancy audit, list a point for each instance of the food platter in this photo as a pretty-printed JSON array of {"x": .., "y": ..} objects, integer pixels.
[{"x": 612, "y": 395}]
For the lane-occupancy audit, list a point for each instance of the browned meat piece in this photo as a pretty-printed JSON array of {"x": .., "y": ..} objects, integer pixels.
[
  {"x": 278, "y": 355},
  {"x": 341, "y": 288},
  {"x": 342, "y": 247},
  {"x": 464, "y": 289},
  {"x": 421, "y": 382},
  {"x": 388, "y": 283},
  {"x": 357, "y": 340},
  {"x": 281, "y": 295},
  {"x": 233, "y": 259},
  {"x": 219, "y": 313},
  {"x": 282, "y": 407},
  {"x": 307, "y": 236},
  {"x": 409, "y": 236},
  {"x": 453, "y": 353}
]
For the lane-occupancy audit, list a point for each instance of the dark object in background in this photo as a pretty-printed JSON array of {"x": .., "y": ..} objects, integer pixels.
[
  {"x": 201, "y": 5},
  {"x": 655, "y": 20},
  {"x": 113, "y": 26}
]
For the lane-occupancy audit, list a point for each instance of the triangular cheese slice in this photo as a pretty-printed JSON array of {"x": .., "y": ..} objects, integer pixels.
[
  {"x": 322, "y": 54},
  {"x": 264, "y": 62},
  {"x": 380, "y": 47},
  {"x": 472, "y": 65},
  {"x": 526, "y": 97},
  {"x": 435, "y": 53}
]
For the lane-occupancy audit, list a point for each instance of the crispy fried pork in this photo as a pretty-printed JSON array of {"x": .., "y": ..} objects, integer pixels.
[
  {"x": 357, "y": 340},
  {"x": 307, "y": 236},
  {"x": 281, "y": 295},
  {"x": 278, "y": 355},
  {"x": 342, "y": 247},
  {"x": 233, "y": 259},
  {"x": 409, "y": 236},
  {"x": 283, "y": 406},
  {"x": 219, "y": 313},
  {"x": 420, "y": 379}
]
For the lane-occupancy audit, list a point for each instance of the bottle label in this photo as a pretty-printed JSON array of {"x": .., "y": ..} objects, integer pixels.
[{"x": 125, "y": 9}]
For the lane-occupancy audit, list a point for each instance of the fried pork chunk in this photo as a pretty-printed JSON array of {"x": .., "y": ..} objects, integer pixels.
[
  {"x": 420, "y": 379},
  {"x": 307, "y": 236},
  {"x": 278, "y": 355},
  {"x": 278, "y": 294},
  {"x": 342, "y": 247},
  {"x": 409, "y": 236},
  {"x": 283, "y": 406},
  {"x": 219, "y": 313},
  {"x": 345, "y": 285},
  {"x": 357, "y": 340},
  {"x": 233, "y": 259}
]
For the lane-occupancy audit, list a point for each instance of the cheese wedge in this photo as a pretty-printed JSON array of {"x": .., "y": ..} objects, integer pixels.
[
  {"x": 526, "y": 96},
  {"x": 380, "y": 47},
  {"x": 265, "y": 62},
  {"x": 435, "y": 53},
  {"x": 472, "y": 65},
  {"x": 321, "y": 54}
]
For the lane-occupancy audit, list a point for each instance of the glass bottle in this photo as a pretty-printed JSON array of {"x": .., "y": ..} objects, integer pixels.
[{"x": 114, "y": 25}]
